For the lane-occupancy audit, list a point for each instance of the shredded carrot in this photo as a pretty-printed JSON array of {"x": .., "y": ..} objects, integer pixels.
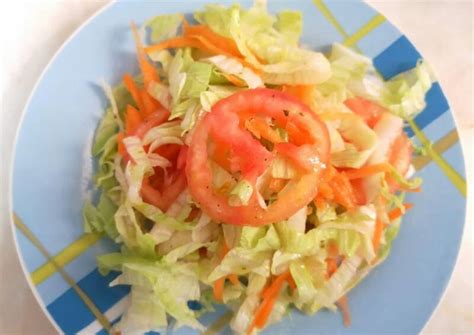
[
  {"x": 132, "y": 120},
  {"x": 378, "y": 231},
  {"x": 326, "y": 191},
  {"x": 259, "y": 128},
  {"x": 121, "y": 147},
  {"x": 269, "y": 296},
  {"x": 150, "y": 105},
  {"x": 359, "y": 191},
  {"x": 198, "y": 42},
  {"x": 221, "y": 42},
  {"x": 343, "y": 192},
  {"x": 234, "y": 80},
  {"x": 305, "y": 93},
  {"x": 320, "y": 203},
  {"x": 218, "y": 290},
  {"x": 147, "y": 69},
  {"x": 343, "y": 305},
  {"x": 296, "y": 135},
  {"x": 176, "y": 42},
  {"x": 134, "y": 90},
  {"x": 406, "y": 189},
  {"x": 367, "y": 171},
  {"x": 397, "y": 212},
  {"x": 234, "y": 279}
]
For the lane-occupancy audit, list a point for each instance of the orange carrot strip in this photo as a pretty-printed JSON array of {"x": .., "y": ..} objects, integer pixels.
[
  {"x": 176, "y": 42},
  {"x": 343, "y": 192},
  {"x": 134, "y": 90},
  {"x": 197, "y": 42},
  {"x": 121, "y": 147},
  {"x": 320, "y": 203},
  {"x": 343, "y": 305},
  {"x": 132, "y": 120},
  {"x": 147, "y": 69},
  {"x": 150, "y": 105},
  {"x": 234, "y": 80},
  {"x": 219, "y": 41},
  {"x": 305, "y": 93},
  {"x": 366, "y": 171},
  {"x": 218, "y": 289},
  {"x": 234, "y": 279},
  {"x": 397, "y": 212},
  {"x": 259, "y": 128},
  {"x": 326, "y": 191},
  {"x": 269, "y": 298},
  {"x": 378, "y": 231}
]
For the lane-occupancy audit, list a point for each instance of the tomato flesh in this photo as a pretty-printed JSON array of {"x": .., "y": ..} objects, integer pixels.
[
  {"x": 368, "y": 110},
  {"x": 223, "y": 126}
]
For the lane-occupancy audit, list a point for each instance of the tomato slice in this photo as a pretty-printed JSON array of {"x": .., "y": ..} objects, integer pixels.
[
  {"x": 368, "y": 110},
  {"x": 400, "y": 153},
  {"x": 223, "y": 126}
]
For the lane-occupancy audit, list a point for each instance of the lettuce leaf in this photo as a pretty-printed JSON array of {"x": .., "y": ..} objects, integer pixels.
[{"x": 163, "y": 27}]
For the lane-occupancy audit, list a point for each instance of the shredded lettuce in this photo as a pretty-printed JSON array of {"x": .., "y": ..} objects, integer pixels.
[
  {"x": 163, "y": 27},
  {"x": 164, "y": 251},
  {"x": 241, "y": 193}
]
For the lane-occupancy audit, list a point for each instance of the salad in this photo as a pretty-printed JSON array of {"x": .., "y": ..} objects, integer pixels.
[{"x": 241, "y": 168}]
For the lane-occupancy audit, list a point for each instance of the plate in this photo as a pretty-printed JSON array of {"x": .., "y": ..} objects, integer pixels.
[{"x": 53, "y": 166}]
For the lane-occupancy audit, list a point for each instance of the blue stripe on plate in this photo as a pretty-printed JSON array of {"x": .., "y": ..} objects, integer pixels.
[
  {"x": 358, "y": 17},
  {"x": 379, "y": 39},
  {"x": 436, "y": 105},
  {"x": 70, "y": 312},
  {"x": 400, "y": 56}
]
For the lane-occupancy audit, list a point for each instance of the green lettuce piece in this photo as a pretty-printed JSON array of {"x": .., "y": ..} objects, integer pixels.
[
  {"x": 231, "y": 66},
  {"x": 243, "y": 261},
  {"x": 390, "y": 234},
  {"x": 250, "y": 236},
  {"x": 245, "y": 313},
  {"x": 405, "y": 94},
  {"x": 240, "y": 194},
  {"x": 198, "y": 75},
  {"x": 163, "y": 27},
  {"x": 290, "y": 25},
  {"x": 101, "y": 218},
  {"x": 214, "y": 94},
  {"x": 336, "y": 286},
  {"x": 281, "y": 168},
  {"x": 217, "y": 17},
  {"x": 360, "y": 143},
  {"x": 163, "y": 284},
  {"x": 304, "y": 282},
  {"x": 144, "y": 314}
]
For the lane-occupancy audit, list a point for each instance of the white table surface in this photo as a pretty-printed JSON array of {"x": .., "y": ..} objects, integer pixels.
[{"x": 31, "y": 32}]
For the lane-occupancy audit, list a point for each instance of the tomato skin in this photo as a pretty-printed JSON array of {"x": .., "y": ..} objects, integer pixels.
[
  {"x": 400, "y": 153},
  {"x": 163, "y": 200},
  {"x": 250, "y": 157},
  {"x": 368, "y": 110}
]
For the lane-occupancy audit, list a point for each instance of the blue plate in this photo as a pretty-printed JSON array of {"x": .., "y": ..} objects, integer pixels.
[{"x": 53, "y": 164}]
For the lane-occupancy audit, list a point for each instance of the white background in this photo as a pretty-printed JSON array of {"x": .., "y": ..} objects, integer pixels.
[{"x": 31, "y": 32}]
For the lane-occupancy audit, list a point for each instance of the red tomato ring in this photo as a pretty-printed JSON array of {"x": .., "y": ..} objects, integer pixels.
[{"x": 220, "y": 123}]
